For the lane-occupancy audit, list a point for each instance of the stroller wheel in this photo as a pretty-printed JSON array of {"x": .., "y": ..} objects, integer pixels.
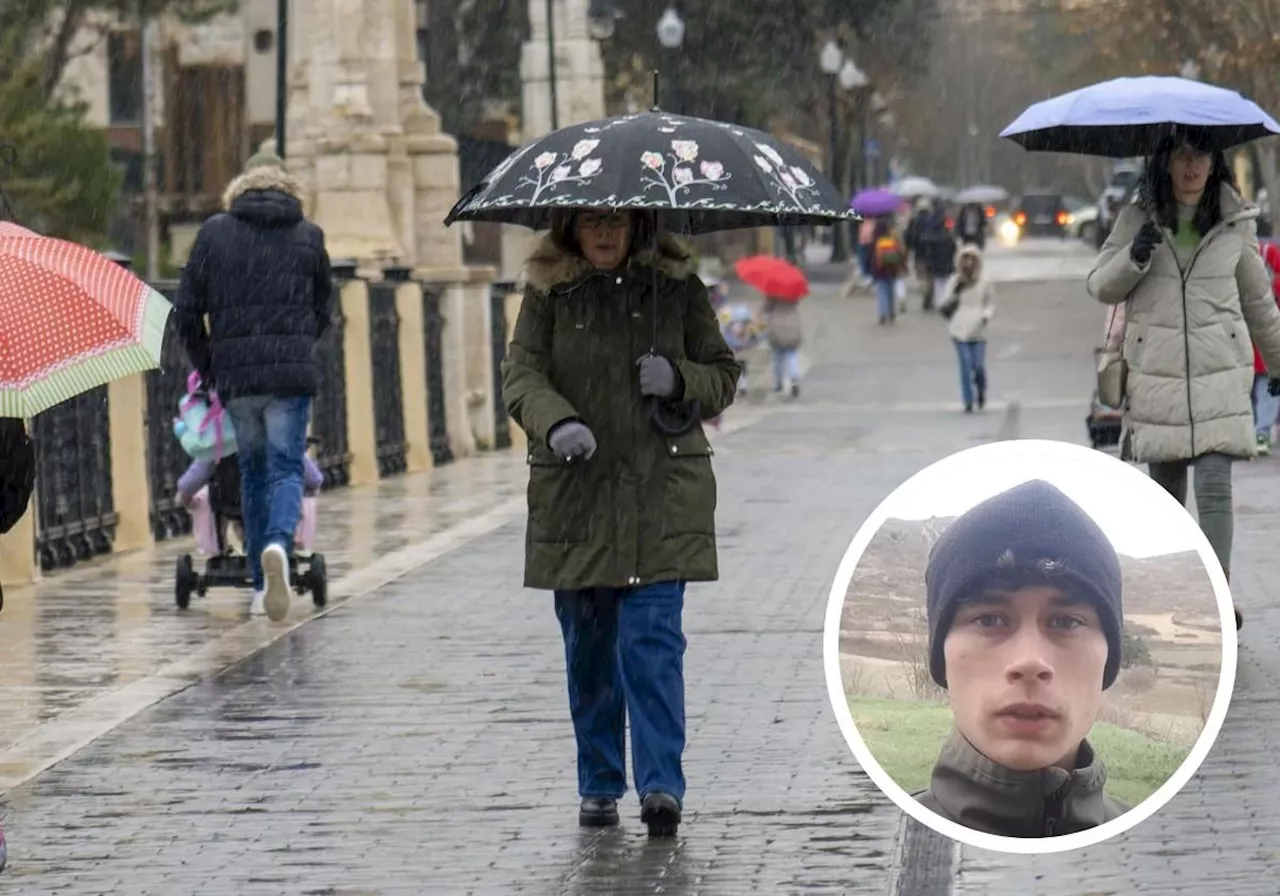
[
  {"x": 318, "y": 580},
  {"x": 185, "y": 581}
]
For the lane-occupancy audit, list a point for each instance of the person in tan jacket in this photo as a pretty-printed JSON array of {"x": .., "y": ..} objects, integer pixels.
[
  {"x": 1184, "y": 260},
  {"x": 968, "y": 305}
]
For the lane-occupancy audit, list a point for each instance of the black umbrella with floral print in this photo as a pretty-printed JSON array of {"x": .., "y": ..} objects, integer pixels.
[{"x": 700, "y": 175}]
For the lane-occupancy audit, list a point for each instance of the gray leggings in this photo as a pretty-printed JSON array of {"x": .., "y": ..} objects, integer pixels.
[{"x": 1213, "y": 497}]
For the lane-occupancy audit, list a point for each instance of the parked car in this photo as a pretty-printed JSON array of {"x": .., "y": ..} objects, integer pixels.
[
  {"x": 1042, "y": 213},
  {"x": 1083, "y": 223}
]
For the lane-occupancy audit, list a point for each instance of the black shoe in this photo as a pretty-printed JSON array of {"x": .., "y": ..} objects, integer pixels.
[
  {"x": 661, "y": 812},
  {"x": 1239, "y": 620},
  {"x": 795, "y": 390},
  {"x": 598, "y": 812},
  {"x": 968, "y": 409}
]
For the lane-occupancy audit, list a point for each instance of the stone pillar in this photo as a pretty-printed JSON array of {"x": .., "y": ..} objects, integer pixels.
[
  {"x": 344, "y": 110},
  {"x": 127, "y": 404},
  {"x": 579, "y": 94},
  {"x": 362, "y": 441}
]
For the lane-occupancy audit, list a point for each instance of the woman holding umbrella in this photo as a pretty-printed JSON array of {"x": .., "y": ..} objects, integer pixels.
[
  {"x": 1185, "y": 260},
  {"x": 783, "y": 286},
  {"x": 615, "y": 338}
]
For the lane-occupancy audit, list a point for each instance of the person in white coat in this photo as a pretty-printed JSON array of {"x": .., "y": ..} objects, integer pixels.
[
  {"x": 1184, "y": 260},
  {"x": 968, "y": 305}
]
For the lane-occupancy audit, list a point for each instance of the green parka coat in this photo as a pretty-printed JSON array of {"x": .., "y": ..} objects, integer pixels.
[{"x": 642, "y": 509}]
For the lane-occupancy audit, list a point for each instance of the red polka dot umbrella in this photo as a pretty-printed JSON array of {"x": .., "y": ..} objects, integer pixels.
[{"x": 70, "y": 320}]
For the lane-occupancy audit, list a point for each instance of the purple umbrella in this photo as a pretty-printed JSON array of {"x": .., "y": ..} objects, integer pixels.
[{"x": 876, "y": 201}]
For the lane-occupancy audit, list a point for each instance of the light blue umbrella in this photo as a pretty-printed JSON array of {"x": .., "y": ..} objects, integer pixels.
[{"x": 1129, "y": 117}]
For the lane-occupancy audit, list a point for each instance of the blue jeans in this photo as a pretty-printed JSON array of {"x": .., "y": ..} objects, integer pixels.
[
  {"x": 973, "y": 369},
  {"x": 786, "y": 366},
  {"x": 624, "y": 654},
  {"x": 271, "y": 437},
  {"x": 885, "y": 296},
  {"x": 1265, "y": 406}
]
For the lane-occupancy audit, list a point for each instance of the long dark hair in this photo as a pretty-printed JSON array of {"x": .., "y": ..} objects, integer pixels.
[{"x": 1155, "y": 191}]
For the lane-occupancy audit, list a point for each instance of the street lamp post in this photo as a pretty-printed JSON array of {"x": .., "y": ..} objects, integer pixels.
[
  {"x": 551, "y": 64},
  {"x": 670, "y": 32},
  {"x": 282, "y": 72},
  {"x": 831, "y": 61}
]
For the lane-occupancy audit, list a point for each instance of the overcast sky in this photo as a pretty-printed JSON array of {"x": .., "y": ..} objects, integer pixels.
[{"x": 1124, "y": 505}]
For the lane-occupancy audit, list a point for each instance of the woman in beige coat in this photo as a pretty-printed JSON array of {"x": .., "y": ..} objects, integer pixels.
[
  {"x": 968, "y": 306},
  {"x": 1184, "y": 259}
]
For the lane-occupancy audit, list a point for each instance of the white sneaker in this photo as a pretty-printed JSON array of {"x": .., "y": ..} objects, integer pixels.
[
  {"x": 256, "y": 607},
  {"x": 275, "y": 566}
]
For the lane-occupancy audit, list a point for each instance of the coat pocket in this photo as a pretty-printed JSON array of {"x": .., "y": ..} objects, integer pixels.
[
  {"x": 689, "y": 487},
  {"x": 559, "y": 499}
]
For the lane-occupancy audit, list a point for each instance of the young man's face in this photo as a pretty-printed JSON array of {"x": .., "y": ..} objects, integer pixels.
[{"x": 1024, "y": 673}]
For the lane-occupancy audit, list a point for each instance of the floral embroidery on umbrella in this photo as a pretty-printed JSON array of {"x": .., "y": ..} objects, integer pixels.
[
  {"x": 549, "y": 171},
  {"x": 791, "y": 180},
  {"x": 681, "y": 175}
]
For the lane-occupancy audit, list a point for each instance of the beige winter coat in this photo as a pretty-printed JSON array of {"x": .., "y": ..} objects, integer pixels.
[
  {"x": 1187, "y": 336},
  {"x": 974, "y": 304}
]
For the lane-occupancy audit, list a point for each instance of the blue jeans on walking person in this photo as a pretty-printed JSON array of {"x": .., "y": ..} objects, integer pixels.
[
  {"x": 786, "y": 367},
  {"x": 271, "y": 438},
  {"x": 864, "y": 259},
  {"x": 1265, "y": 407},
  {"x": 973, "y": 369},
  {"x": 886, "y": 289},
  {"x": 624, "y": 655}
]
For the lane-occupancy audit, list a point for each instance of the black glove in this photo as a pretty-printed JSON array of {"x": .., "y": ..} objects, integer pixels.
[
  {"x": 1273, "y": 386},
  {"x": 1145, "y": 242},
  {"x": 572, "y": 439},
  {"x": 657, "y": 376}
]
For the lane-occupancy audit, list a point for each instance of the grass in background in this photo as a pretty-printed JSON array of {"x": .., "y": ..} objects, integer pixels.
[{"x": 906, "y": 736}]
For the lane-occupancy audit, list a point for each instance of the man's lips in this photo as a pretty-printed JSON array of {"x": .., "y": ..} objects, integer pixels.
[{"x": 1028, "y": 712}]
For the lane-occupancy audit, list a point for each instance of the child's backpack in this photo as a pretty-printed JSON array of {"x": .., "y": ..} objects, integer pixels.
[
  {"x": 202, "y": 426},
  {"x": 887, "y": 256}
]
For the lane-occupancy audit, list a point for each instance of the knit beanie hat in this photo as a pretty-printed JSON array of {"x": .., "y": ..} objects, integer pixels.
[
  {"x": 264, "y": 160},
  {"x": 1031, "y": 534}
]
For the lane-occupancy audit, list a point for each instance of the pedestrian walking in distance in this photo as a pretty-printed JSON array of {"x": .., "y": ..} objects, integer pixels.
[
  {"x": 260, "y": 272},
  {"x": 783, "y": 331},
  {"x": 1025, "y": 607},
  {"x": 968, "y": 304},
  {"x": 1184, "y": 259},
  {"x": 621, "y": 514}
]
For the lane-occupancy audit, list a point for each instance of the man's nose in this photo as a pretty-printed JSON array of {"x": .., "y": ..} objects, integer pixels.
[{"x": 1028, "y": 657}]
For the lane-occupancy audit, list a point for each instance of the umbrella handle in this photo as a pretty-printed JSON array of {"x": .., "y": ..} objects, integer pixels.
[{"x": 679, "y": 428}]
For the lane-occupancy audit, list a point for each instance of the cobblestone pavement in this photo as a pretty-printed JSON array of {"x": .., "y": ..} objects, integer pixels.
[{"x": 417, "y": 740}]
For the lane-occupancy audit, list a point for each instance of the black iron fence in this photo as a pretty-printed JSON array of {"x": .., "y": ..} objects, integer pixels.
[
  {"x": 388, "y": 400},
  {"x": 76, "y": 504},
  {"x": 433, "y": 336},
  {"x": 329, "y": 410},
  {"x": 498, "y": 293}
]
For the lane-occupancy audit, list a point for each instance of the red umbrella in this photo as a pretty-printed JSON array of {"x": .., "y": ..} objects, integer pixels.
[
  {"x": 775, "y": 277},
  {"x": 70, "y": 320}
]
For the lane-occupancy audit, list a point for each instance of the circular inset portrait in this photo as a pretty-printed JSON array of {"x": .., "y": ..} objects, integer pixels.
[{"x": 1030, "y": 646}]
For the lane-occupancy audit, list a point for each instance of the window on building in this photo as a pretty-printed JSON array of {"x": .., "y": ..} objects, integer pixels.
[{"x": 124, "y": 77}]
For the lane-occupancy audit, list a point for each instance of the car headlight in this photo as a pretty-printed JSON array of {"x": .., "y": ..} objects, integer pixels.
[{"x": 1010, "y": 231}]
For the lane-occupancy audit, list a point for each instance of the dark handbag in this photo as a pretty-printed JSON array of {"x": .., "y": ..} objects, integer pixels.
[
  {"x": 17, "y": 471},
  {"x": 948, "y": 308}
]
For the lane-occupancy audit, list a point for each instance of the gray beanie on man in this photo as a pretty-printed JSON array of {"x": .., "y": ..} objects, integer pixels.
[{"x": 1031, "y": 534}]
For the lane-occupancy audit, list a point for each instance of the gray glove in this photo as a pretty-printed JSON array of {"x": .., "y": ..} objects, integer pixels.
[
  {"x": 572, "y": 439},
  {"x": 657, "y": 376}
]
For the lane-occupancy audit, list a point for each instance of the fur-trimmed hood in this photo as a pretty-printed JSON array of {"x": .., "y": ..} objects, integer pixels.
[
  {"x": 265, "y": 177},
  {"x": 549, "y": 265},
  {"x": 968, "y": 250}
]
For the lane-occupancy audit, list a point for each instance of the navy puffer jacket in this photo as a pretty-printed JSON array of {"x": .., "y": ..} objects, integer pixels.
[{"x": 260, "y": 272}]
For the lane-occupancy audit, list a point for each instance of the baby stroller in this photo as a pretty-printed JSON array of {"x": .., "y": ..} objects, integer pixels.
[
  {"x": 229, "y": 568},
  {"x": 1104, "y": 421}
]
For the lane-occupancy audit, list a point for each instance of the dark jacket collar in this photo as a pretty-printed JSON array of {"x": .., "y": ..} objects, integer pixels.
[{"x": 972, "y": 790}]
